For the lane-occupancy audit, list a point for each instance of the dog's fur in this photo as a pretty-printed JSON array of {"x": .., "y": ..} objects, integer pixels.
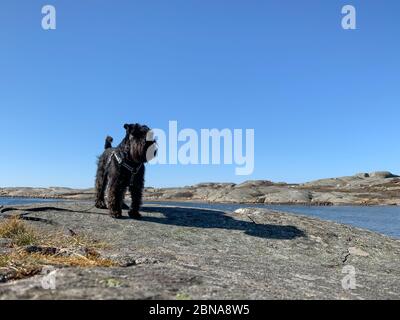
[{"x": 113, "y": 179}]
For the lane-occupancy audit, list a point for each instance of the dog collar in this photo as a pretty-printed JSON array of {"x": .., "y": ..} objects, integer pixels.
[{"x": 121, "y": 162}]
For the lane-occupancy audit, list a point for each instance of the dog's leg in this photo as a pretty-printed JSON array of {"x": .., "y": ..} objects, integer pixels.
[
  {"x": 136, "y": 191},
  {"x": 114, "y": 196},
  {"x": 100, "y": 202},
  {"x": 101, "y": 181}
]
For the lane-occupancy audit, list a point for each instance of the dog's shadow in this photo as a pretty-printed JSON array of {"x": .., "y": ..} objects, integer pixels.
[{"x": 203, "y": 218}]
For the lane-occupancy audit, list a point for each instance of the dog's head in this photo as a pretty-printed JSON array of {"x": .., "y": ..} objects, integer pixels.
[{"x": 140, "y": 143}]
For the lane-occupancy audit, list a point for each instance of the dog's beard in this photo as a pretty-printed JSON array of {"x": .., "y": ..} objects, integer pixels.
[{"x": 140, "y": 151}]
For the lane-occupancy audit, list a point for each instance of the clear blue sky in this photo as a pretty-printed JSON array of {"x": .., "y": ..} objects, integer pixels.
[{"x": 323, "y": 101}]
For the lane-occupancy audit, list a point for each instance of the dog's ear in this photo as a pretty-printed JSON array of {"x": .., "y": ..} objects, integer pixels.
[
  {"x": 135, "y": 130},
  {"x": 129, "y": 128}
]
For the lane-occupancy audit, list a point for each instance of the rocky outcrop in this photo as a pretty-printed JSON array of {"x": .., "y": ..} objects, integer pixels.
[
  {"x": 376, "y": 188},
  {"x": 208, "y": 254},
  {"x": 47, "y": 193}
]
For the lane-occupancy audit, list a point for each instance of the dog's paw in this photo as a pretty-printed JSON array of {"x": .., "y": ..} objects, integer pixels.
[
  {"x": 116, "y": 215},
  {"x": 100, "y": 205},
  {"x": 133, "y": 214}
]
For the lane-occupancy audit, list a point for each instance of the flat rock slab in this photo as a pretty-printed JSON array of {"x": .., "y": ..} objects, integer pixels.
[{"x": 175, "y": 253}]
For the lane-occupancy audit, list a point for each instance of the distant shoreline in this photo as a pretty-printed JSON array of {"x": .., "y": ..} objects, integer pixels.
[
  {"x": 208, "y": 202},
  {"x": 363, "y": 189}
]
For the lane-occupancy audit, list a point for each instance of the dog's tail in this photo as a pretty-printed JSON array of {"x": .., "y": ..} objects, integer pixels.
[{"x": 108, "y": 143}]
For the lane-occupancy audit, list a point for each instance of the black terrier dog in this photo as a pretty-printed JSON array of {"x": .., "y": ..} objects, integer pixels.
[{"x": 123, "y": 167}]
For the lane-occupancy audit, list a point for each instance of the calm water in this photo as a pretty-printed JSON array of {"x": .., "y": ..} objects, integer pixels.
[
  {"x": 14, "y": 201},
  {"x": 383, "y": 219}
]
